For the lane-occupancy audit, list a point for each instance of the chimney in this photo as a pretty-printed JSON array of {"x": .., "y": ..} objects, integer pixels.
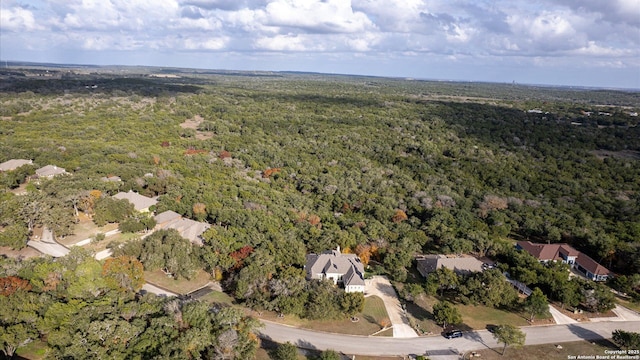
[{"x": 338, "y": 249}]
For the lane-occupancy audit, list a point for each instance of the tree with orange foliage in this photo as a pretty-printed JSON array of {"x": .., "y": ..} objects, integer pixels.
[
  {"x": 11, "y": 284},
  {"x": 123, "y": 273},
  {"x": 224, "y": 154},
  {"x": 366, "y": 251},
  {"x": 399, "y": 216},
  {"x": 240, "y": 255},
  {"x": 199, "y": 211},
  {"x": 270, "y": 171}
]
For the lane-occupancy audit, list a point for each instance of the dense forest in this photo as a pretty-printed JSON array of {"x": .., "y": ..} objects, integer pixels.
[{"x": 283, "y": 164}]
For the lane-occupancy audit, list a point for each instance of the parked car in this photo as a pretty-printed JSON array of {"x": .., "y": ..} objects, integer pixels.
[{"x": 453, "y": 334}]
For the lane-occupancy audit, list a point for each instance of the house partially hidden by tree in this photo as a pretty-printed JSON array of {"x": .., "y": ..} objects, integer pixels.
[
  {"x": 13, "y": 164},
  {"x": 50, "y": 171},
  {"x": 590, "y": 268},
  {"x": 140, "y": 202},
  {"x": 461, "y": 265},
  {"x": 189, "y": 229},
  {"x": 345, "y": 269}
]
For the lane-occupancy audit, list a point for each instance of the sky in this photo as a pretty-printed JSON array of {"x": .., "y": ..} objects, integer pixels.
[{"x": 592, "y": 43}]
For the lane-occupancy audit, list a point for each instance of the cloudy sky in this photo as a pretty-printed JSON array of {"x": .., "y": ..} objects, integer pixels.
[{"x": 558, "y": 42}]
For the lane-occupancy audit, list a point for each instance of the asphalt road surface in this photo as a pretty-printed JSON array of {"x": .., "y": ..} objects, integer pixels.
[{"x": 438, "y": 345}]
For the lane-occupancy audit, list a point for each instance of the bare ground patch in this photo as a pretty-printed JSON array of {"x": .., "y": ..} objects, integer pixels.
[
  {"x": 193, "y": 124},
  {"x": 623, "y": 154}
]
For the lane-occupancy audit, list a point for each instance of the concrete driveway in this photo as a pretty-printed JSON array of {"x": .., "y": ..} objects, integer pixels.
[{"x": 381, "y": 287}]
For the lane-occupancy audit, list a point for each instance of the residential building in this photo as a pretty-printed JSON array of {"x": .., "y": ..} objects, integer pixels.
[
  {"x": 13, "y": 164},
  {"x": 50, "y": 171},
  {"x": 189, "y": 229},
  {"x": 590, "y": 268},
  {"x": 140, "y": 202},
  {"x": 461, "y": 265},
  {"x": 344, "y": 269}
]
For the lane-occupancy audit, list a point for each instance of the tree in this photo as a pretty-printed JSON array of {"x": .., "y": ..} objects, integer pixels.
[
  {"x": 123, "y": 273},
  {"x": 536, "y": 304},
  {"x": 446, "y": 313},
  {"x": 626, "y": 339},
  {"x": 441, "y": 279},
  {"x": 329, "y": 355},
  {"x": 286, "y": 351},
  {"x": 509, "y": 335},
  {"x": 599, "y": 298},
  {"x": 352, "y": 303}
]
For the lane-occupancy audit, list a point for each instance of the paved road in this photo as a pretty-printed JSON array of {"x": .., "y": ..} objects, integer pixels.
[
  {"x": 381, "y": 287},
  {"x": 437, "y": 345}
]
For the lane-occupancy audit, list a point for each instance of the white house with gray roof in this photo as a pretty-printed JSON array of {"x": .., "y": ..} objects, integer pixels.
[
  {"x": 140, "y": 203},
  {"x": 50, "y": 171},
  {"x": 345, "y": 269}
]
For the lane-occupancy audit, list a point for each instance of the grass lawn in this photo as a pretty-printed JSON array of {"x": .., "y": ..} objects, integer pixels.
[
  {"x": 629, "y": 304},
  {"x": 217, "y": 297},
  {"x": 34, "y": 350},
  {"x": 548, "y": 351},
  {"x": 478, "y": 317},
  {"x": 372, "y": 315},
  {"x": 85, "y": 229},
  {"x": 182, "y": 286},
  {"x": 117, "y": 238}
]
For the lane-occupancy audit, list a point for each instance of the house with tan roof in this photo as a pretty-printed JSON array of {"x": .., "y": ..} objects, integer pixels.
[
  {"x": 140, "y": 202},
  {"x": 189, "y": 229},
  {"x": 461, "y": 265},
  {"x": 344, "y": 269},
  {"x": 590, "y": 268},
  {"x": 13, "y": 164},
  {"x": 50, "y": 171}
]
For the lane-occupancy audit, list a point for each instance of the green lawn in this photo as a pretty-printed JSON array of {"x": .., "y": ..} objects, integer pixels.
[
  {"x": 478, "y": 317},
  {"x": 373, "y": 314},
  {"x": 548, "y": 351},
  {"x": 217, "y": 297},
  {"x": 34, "y": 350},
  {"x": 629, "y": 304},
  {"x": 182, "y": 286}
]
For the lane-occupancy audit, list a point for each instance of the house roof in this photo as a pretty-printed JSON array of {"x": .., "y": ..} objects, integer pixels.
[
  {"x": 188, "y": 229},
  {"x": 13, "y": 164},
  {"x": 334, "y": 262},
  {"x": 459, "y": 264},
  {"x": 139, "y": 202},
  {"x": 111, "y": 178},
  {"x": 50, "y": 170},
  {"x": 592, "y": 266},
  {"x": 166, "y": 216},
  {"x": 546, "y": 252}
]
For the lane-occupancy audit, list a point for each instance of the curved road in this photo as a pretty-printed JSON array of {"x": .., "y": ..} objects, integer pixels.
[{"x": 437, "y": 345}]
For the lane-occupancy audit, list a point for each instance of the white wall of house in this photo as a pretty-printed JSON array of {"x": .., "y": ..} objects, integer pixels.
[{"x": 354, "y": 288}]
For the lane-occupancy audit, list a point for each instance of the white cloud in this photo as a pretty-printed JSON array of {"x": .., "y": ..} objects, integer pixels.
[
  {"x": 556, "y": 32},
  {"x": 17, "y": 19},
  {"x": 317, "y": 16}
]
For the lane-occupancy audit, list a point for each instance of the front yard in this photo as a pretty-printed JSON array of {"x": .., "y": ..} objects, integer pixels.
[{"x": 372, "y": 319}]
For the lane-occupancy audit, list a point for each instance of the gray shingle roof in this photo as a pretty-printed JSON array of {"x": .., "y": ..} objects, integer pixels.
[
  {"x": 334, "y": 262},
  {"x": 139, "y": 202},
  {"x": 13, "y": 164},
  {"x": 50, "y": 171},
  {"x": 188, "y": 229},
  {"x": 461, "y": 265}
]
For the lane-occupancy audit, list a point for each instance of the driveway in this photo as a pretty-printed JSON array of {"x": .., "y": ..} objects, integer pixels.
[
  {"x": 559, "y": 317},
  {"x": 381, "y": 287}
]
